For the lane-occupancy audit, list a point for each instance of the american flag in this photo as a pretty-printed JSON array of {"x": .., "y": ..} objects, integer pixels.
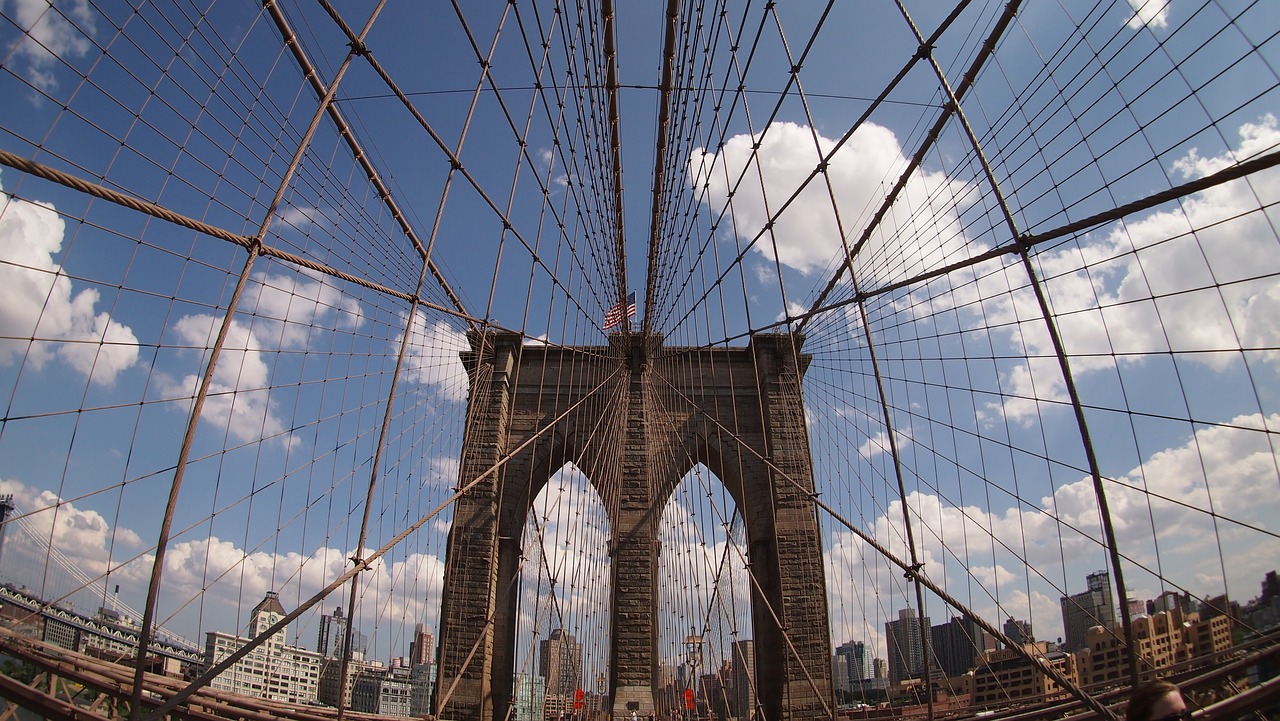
[{"x": 613, "y": 317}]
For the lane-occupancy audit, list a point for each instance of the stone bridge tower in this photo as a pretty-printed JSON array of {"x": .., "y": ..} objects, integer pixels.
[{"x": 740, "y": 414}]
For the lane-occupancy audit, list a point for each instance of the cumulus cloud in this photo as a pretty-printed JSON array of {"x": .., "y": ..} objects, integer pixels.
[
  {"x": 764, "y": 272},
  {"x": 297, "y": 218},
  {"x": 805, "y": 236},
  {"x": 1149, "y": 13},
  {"x": 879, "y": 443},
  {"x": 702, "y": 559},
  {"x": 432, "y": 358},
  {"x": 794, "y": 310},
  {"x": 566, "y": 570},
  {"x": 78, "y": 533},
  {"x": 1180, "y": 280},
  {"x": 38, "y": 301},
  {"x": 444, "y": 470},
  {"x": 228, "y": 578},
  {"x": 298, "y": 305},
  {"x": 62, "y": 550},
  {"x": 567, "y": 527},
  {"x": 1228, "y": 469},
  {"x": 53, "y": 30},
  {"x": 239, "y": 398},
  {"x": 994, "y": 576},
  {"x": 289, "y": 310},
  {"x": 220, "y": 575}
]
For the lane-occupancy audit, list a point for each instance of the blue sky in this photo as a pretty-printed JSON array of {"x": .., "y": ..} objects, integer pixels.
[{"x": 1169, "y": 316}]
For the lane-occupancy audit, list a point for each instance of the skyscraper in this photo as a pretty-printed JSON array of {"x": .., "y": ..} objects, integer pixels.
[
  {"x": 333, "y": 631},
  {"x": 906, "y": 646},
  {"x": 560, "y": 663},
  {"x": 420, "y": 648},
  {"x": 956, "y": 643},
  {"x": 742, "y": 699},
  {"x": 854, "y": 664},
  {"x": 1087, "y": 609},
  {"x": 1018, "y": 631}
]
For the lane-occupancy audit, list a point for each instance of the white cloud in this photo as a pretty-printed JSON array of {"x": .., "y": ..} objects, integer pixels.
[
  {"x": 36, "y": 300},
  {"x": 1238, "y": 460},
  {"x": 432, "y": 357},
  {"x": 879, "y": 443},
  {"x": 297, "y": 218},
  {"x": 703, "y": 553},
  {"x": 220, "y": 571},
  {"x": 1146, "y": 286},
  {"x": 806, "y": 234},
  {"x": 302, "y": 303},
  {"x": 53, "y": 30},
  {"x": 764, "y": 272},
  {"x": 1044, "y": 612},
  {"x": 1149, "y": 13},
  {"x": 570, "y": 531},
  {"x": 794, "y": 310},
  {"x": 220, "y": 575},
  {"x": 565, "y": 574},
  {"x": 287, "y": 308},
  {"x": 239, "y": 398},
  {"x": 78, "y": 533},
  {"x": 444, "y": 471},
  {"x": 994, "y": 576}
]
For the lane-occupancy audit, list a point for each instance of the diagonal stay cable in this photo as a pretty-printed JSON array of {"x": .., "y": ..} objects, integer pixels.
[
  {"x": 1055, "y": 335},
  {"x": 357, "y": 151},
  {"x": 1235, "y": 172},
  {"x": 155, "y": 210},
  {"x": 931, "y": 138},
  {"x": 881, "y": 99},
  {"x": 207, "y": 379},
  {"x": 489, "y": 619},
  {"x": 762, "y": 595},
  {"x": 362, "y": 564},
  {"x": 455, "y": 162},
  {"x": 913, "y": 573}
]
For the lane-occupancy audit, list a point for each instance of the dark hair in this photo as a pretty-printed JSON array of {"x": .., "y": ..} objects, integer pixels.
[{"x": 1144, "y": 699}]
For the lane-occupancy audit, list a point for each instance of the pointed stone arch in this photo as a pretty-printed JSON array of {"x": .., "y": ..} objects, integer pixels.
[{"x": 744, "y": 421}]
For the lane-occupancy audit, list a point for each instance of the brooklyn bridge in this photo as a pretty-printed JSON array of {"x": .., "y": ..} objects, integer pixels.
[{"x": 539, "y": 360}]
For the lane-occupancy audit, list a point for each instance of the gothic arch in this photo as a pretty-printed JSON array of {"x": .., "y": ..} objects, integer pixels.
[{"x": 525, "y": 422}]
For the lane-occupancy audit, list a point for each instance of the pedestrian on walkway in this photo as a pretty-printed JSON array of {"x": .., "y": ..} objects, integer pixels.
[{"x": 1157, "y": 701}]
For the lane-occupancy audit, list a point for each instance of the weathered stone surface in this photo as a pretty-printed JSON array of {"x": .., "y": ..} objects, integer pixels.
[{"x": 635, "y": 417}]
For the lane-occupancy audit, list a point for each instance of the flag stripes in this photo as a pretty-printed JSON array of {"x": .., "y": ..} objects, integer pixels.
[{"x": 613, "y": 317}]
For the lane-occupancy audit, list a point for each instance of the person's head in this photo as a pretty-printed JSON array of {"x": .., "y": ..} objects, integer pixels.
[{"x": 1157, "y": 701}]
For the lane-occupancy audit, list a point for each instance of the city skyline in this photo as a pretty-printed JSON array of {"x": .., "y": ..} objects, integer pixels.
[
  {"x": 1270, "y": 592},
  {"x": 1003, "y": 279},
  {"x": 402, "y": 690}
]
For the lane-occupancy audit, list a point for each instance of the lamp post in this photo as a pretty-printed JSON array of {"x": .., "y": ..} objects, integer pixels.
[{"x": 692, "y": 656}]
